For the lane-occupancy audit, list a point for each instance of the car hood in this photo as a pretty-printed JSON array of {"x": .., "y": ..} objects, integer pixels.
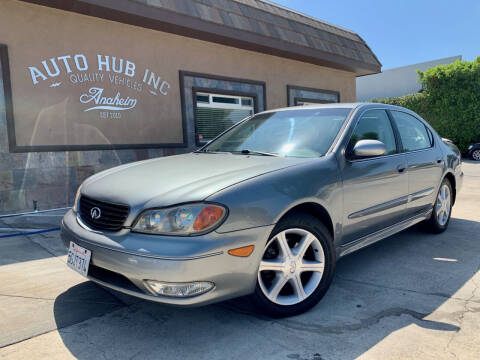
[{"x": 178, "y": 179}]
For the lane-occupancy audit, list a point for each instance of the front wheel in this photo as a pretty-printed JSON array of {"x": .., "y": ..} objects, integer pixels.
[
  {"x": 297, "y": 267},
  {"x": 442, "y": 209}
]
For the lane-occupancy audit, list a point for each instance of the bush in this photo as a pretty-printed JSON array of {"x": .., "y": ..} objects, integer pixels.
[{"x": 450, "y": 101}]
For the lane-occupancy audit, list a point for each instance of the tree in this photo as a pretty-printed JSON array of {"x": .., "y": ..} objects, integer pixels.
[{"x": 449, "y": 101}]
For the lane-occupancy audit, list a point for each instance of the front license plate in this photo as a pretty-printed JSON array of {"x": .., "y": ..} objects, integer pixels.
[{"x": 78, "y": 258}]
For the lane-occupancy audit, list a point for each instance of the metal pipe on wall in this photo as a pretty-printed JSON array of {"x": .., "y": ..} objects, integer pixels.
[{"x": 33, "y": 212}]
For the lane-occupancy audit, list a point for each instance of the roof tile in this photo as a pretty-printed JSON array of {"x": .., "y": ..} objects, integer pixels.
[{"x": 267, "y": 19}]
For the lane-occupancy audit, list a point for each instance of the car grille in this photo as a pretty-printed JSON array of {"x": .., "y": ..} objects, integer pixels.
[{"x": 112, "y": 216}]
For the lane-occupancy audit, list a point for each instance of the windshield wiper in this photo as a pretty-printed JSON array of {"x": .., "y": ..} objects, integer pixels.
[
  {"x": 243, "y": 152},
  {"x": 211, "y": 152},
  {"x": 254, "y": 152}
]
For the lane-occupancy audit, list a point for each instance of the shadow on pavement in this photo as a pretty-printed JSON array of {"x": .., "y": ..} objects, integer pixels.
[
  {"x": 395, "y": 283},
  {"x": 20, "y": 249},
  {"x": 82, "y": 302}
]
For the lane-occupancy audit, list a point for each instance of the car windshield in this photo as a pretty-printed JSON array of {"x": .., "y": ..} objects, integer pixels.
[{"x": 296, "y": 133}]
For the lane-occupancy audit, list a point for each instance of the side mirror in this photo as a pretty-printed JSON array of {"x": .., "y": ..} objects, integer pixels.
[{"x": 369, "y": 148}]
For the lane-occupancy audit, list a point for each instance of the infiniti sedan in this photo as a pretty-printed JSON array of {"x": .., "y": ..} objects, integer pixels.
[{"x": 265, "y": 209}]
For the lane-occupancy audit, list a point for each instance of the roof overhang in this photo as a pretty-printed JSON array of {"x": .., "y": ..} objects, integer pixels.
[{"x": 161, "y": 19}]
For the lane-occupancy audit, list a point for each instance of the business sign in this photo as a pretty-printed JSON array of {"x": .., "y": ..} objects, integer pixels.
[
  {"x": 105, "y": 71},
  {"x": 93, "y": 100}
]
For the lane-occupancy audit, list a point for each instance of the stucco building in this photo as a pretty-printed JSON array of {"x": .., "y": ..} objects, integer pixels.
[{"x": 90, "y": 84}]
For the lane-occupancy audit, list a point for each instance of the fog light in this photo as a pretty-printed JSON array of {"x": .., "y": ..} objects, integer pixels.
[{"x": 179, "y": 290}]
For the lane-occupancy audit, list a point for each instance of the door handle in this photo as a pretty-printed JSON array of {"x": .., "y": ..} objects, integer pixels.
[{"x": 401, "y": 168}]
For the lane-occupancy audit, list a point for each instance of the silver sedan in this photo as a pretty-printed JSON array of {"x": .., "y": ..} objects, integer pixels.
[{"x": 265, "y": 209}]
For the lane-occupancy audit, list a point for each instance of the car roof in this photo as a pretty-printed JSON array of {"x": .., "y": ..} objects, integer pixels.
[
  {"x": 316, "y": 106},
  {"x": 337, "y": 106}
]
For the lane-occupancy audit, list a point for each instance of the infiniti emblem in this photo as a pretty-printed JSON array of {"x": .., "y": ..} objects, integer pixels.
[{"x": 95, "y": 213}]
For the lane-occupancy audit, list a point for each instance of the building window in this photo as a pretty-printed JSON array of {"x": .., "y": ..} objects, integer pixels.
[
  {"x": 215, "y": 113},
  {"x": 212, "y": 103},
  {"x": 298, "y": 96}
]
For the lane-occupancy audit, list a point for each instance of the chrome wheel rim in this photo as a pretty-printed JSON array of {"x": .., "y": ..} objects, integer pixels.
[
  {"x": 443, "y": 205},
  {"x": 292, "y": 267},
  {"x": 476, "y": 155}
]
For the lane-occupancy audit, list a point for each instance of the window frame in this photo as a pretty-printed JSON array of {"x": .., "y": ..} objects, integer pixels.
[
  {"x": 296, "y": 99},
  {"x": 398, "y": 141},
  {"x": 431, "y": 137},
  {"x": 220, "y": 105},
  {"x": 227, "y": 93}
]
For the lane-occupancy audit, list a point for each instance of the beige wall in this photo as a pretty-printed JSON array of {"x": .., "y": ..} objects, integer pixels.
[{"x": 46, "y": 115}]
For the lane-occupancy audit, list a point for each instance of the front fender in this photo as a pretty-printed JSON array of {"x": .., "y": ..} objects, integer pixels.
[{"x": 265, "y": 199}]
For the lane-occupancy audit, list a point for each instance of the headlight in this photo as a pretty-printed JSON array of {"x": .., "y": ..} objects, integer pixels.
[
  {"x": 470, "y": 147},
  {"x": 187, "y": 220},
  {"x": 77, "y": 197}
]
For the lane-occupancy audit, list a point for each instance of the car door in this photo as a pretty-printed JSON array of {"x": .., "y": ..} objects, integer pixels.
[
  {"x": 424, "y": 161},
  {"x": 375, "y": 189}
]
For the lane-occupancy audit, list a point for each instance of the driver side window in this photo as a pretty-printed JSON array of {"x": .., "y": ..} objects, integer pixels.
[{"x": 374, "y": 125}]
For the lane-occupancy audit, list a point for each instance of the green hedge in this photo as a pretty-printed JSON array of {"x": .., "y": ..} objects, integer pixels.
[{"x": 449, "y": 101}]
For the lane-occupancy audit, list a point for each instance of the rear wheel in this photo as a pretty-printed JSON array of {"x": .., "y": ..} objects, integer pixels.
[
  {"x": 296, "y": 268},
  {"x": 442, "y": 209},
  {"x": 476, "y": 155}
]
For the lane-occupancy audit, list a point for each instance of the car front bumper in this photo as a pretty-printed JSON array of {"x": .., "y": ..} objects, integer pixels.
[{"x": 123, "y": 260}]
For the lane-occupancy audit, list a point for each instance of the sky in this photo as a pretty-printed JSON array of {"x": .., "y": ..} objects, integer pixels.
[{"x": 404, "y": 32}]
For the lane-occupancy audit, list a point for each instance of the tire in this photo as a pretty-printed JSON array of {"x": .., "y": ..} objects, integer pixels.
[
  {"x": 439, "y": 220},
  {"x": 476, "y": 155},
  {"x": 291, "y": 281}
]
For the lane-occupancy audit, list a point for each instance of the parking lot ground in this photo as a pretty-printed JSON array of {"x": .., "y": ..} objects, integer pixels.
[{"x": 411, "y": 296}]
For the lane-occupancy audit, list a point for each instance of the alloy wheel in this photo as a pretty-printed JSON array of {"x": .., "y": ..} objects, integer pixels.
[
  {"x": 444, "y": 204},
  {"x": 292, "y": 267},
  {"x": 476, "y": 155}
]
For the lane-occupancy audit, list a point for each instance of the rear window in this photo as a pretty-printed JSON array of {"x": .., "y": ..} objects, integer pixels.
[{"x": 413, "y": 133}]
